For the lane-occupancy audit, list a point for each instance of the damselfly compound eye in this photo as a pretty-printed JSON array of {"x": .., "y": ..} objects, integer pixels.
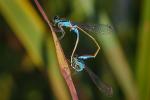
[{"x": 56, "y": 17}]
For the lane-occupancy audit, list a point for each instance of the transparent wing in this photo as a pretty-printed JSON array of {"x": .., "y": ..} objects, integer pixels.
[
  {"x": 96, "y": 28},
  {"x": 104, "y": 88},
  {"x": 91, "y": 28}
]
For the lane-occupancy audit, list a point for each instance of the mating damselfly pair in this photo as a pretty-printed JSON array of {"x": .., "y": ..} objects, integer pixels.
[{"x": 78, "y": 62}]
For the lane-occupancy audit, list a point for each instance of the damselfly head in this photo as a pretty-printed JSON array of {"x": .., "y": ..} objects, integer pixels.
[
  {"x": 56, "y": 19},
  {"x": 78, "y": 64}
]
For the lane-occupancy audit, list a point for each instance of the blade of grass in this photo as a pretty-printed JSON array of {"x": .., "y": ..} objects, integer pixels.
[
  {"x": 118, "y": 62},
  {"x": 61, "y": 57},
  {"x": 143, "y": 54},
  {"x": 55, "y": 77},
  {"x": 20, "y": 18},
  {"x": 29, "y": 29},
  {"x": 6, "y": 84}
]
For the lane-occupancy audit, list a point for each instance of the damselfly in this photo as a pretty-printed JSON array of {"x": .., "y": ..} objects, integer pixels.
[
  {"x": 85, "y": 28},
  {"x": 78, "y": 64}
]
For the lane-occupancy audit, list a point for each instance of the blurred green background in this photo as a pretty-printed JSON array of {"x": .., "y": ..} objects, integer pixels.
[{"x": 28, "y": 63}]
